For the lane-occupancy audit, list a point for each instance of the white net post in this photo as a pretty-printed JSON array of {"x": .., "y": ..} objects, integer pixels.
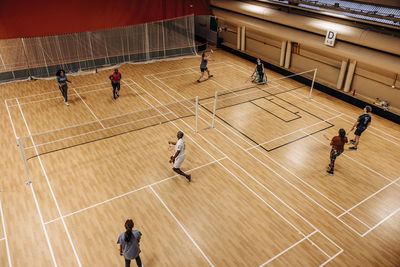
[
  {"x": 312, "y": 83},
  {"x": 214, "y": 109},
  {"x": 21, "y": 150},
  {"x": 197, "y": 113}
]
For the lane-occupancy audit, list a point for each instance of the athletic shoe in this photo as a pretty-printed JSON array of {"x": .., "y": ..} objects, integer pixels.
[
  {"x": 189, "y": 178},
  {"x": 66, "y": 103},
  {"x": 353, "y": 148},
  {"x": 329, "y": 172},
  {"x": 352, "y": 141},
  {"x": 210, "y": 76},
  {"x": 198, "y": 81}
]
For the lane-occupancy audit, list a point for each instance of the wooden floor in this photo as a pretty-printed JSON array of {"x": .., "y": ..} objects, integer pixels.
[{"x": 259, "y": 193}]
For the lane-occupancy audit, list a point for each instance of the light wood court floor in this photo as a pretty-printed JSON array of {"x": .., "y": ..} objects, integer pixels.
[{"x": 259, "y": 193}]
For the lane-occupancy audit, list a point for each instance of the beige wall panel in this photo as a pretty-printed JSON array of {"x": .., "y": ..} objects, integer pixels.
[
  {"x": 326, "y": 73},
  {"x": 270, "y": 52}
]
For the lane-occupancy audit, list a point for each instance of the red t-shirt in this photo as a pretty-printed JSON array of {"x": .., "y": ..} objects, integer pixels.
[
  {"x": 115, "y": 77},
  {"x": 337, "y": 143}
]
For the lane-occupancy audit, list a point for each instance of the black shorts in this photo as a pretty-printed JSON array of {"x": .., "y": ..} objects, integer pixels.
[
  {"x": 358, "y": 132},
  {"x": 203, "y": 69},
  {"x": 116, "y": 85},
  {"x": 335, "y": 154}
]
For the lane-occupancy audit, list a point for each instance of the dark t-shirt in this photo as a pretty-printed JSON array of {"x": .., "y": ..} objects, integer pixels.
[
  {"x": 337, "y": 143},
  {"x": 363, "y": 121},
  {"x": 260, "y": 67}
]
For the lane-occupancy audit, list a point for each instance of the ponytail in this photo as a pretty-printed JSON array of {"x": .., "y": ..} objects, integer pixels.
[
  {"x": 203, "y": 55},
  {"x": 342, "y": 134},
  {"x": 128, "y": 234}
]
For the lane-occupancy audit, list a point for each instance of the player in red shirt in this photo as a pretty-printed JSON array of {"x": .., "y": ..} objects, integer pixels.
[
  {"x": 115, "y": 78},
  {"x": 337, "y": 144}
]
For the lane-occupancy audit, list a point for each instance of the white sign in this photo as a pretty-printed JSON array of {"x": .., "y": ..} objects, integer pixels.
[{"x": 330, "y": 38}]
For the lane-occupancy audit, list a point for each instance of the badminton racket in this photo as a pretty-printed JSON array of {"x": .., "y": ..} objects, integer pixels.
[{"x": 326, "y": 137}]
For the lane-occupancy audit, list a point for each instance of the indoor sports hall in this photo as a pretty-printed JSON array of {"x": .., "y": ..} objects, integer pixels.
[{"x": 289, "y": 112}]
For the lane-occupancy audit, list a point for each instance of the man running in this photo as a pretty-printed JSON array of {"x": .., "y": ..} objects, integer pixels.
[
  {"x": 361, "y": 125},
  {"x": 179, "y": 156},
  {"x": 62, "y": 84},
  {"x": 115, "y": 78}
]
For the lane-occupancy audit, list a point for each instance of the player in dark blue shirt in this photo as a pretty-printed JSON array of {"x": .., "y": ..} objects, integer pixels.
[{"x": 361, "y": 125}]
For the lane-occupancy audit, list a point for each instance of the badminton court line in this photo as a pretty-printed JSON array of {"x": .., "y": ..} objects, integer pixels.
[
  {"x": 356, "y": 161},
  {"x": 181, "y": 226},
  {"x": 295, "y": 95},
  {"x": 382, "y": 221},
  {"x": 244, "y": 184},
  {"x": 130, "y": 192},
  {"x": 332, "y": 109},
  {"x": 257, "y": 150},
  {"x": 268, "y": 167},
  {"x": 289, "y": 248},
  {"x": 91, "y": 111},
  {"x": 5, "y": 235},
  {"x": 372, "y": 195},
  {"x": 36, "y": 202},
  {"x": 50, "y": 187},
  {"x": 369, "y": 228}
]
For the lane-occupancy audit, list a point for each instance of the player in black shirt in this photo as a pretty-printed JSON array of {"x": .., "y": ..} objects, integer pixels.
[
  {"x": 361, "y": 125},
  {"x": 260, "y": 71}
]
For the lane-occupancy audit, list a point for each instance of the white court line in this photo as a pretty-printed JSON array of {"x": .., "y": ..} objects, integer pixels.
[
  {"x": 245, "y": 185},
  {"x": 12, "y": 123},
  {"x": 211, "y": 64},
  {"x": 279, "y": 137},
  {"x": 52, "y": 92},
  {"x": 322, "y": 207},
  {"x": 183, "y": 228},
  {"x": 289, "y": 248},
  {"x": 365, "y": 199},
  {"x": 382, "y": 221},
  {"x": 370, "y": 229},
  {"x": 5, "y": 235},
  {"x": 91, "y": 111},
  {"x": 132, "y": 191},
  {"x": 51, "y": 189},
  {"x": 181, "y": 74},
  {"x": 354, "y": 160}
]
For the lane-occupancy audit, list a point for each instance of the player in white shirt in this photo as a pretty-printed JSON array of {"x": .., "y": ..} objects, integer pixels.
[{"x": 179, "y": 156}]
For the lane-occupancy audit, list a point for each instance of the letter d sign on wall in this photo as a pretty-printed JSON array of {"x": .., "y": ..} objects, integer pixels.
[{"x": 330, "y": 38}]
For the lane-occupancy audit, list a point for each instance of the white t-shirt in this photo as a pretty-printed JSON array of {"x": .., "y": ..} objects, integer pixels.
[{"x": 180, "y": 145}]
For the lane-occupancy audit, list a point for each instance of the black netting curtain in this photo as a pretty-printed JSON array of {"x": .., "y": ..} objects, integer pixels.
[{"x": 41, "y": 57}]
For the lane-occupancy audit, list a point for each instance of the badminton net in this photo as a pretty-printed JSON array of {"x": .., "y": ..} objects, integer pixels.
[
  {"x": 72, "y": 136},
  {"x": 241, "y": 95}
]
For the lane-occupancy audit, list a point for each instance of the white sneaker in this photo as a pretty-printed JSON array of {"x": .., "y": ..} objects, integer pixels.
[{"x": 66, "y": 103}]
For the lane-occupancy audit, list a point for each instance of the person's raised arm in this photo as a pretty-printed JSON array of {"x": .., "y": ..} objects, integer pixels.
[{"x": 171, "y": 143}]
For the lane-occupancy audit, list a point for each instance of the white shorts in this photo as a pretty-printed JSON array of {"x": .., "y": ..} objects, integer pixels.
[{"x": 178, "y": 162}]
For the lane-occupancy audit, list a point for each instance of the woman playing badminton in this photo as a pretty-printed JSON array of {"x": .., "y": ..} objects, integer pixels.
[
  {"x": 262, "y": 78},
  {"x": 62, "y": 84},
  {"x": 203, "y": 66},
  {"x": 337, "y": 144},
  {"x": 179, "y": 156},
  {"x": 115, "y": 78}
]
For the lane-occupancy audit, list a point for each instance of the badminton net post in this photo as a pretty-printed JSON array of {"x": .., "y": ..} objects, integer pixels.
[
  {"x": 197, "y": 113},
  {"x": 214, "y": 109},
  {"x": 21, "y": 150},
  {"x": 312, "y": 83}
]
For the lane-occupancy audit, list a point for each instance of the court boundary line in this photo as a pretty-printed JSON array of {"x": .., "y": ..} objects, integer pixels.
[
  {"x": 132, "y": 191},
  {"x": 181, "y": 226},
  {"x": 91, "y": 111},
  {"x": 51, "y": 190},
  {"x": 377, "y": 192},
  {"x": 345, "y": 114},
  {"x": 265, "y": 165},
  {"x": 5, "y": 235},
  {"x": 245, "y": 185},
  {"x": 36, "y": 201},
  {"x": 369, "y": 228},
  {"x": 287, "y": 249}
]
